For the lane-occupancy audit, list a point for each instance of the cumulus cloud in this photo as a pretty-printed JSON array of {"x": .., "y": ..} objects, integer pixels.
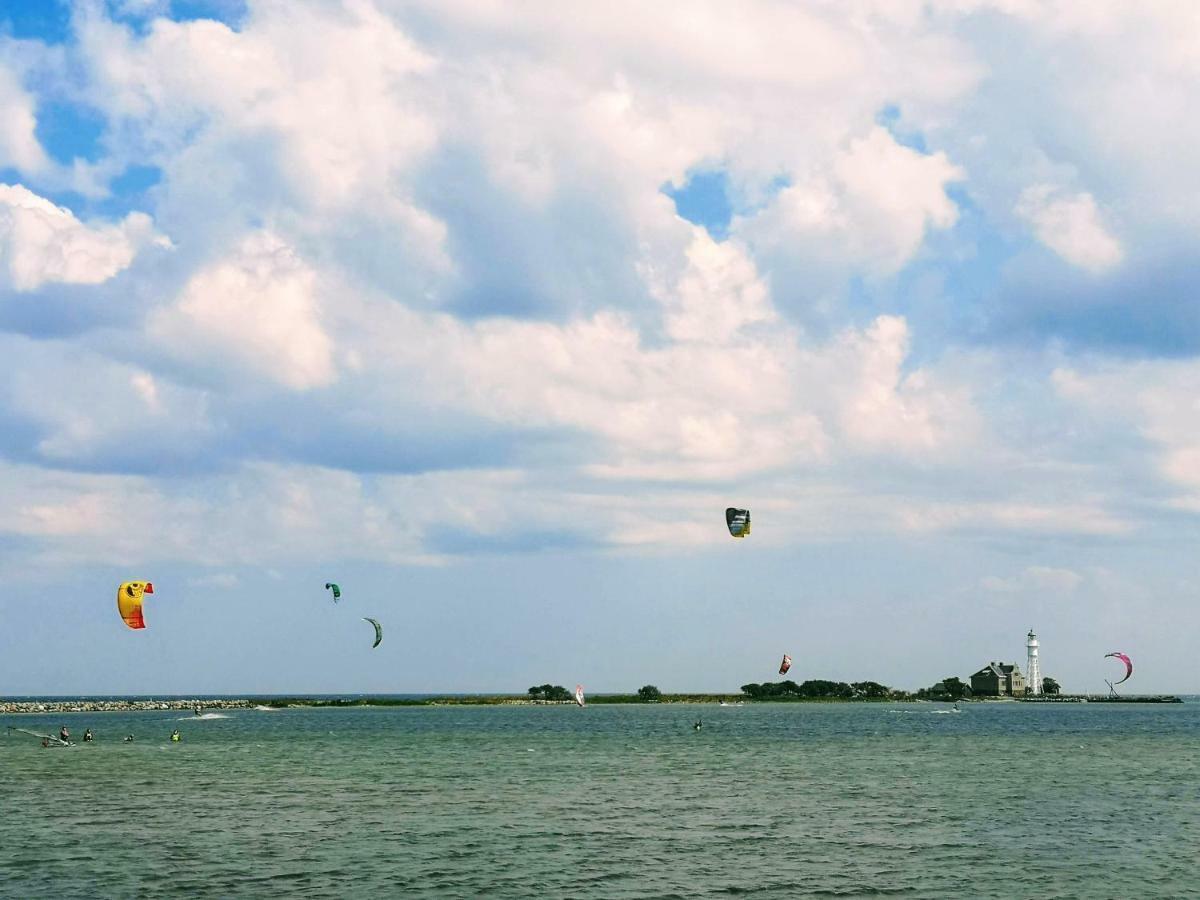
[
  {"x": 1071, "y": 226},
  {"x": 717, "y": 295},
  {"x": 881, "y": 406},
  {"x": 41, "y": 243},
  {"x": 326, "y": 80},
  {"x": 258, "y": 310},
  {"x": 760, "y": 400},
  {"x": 19, "y": 146},
  {"x": 873, "y": 206},
  {"x": 447, "y": 218}
]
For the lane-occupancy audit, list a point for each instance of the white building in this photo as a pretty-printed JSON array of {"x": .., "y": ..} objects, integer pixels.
[{"x": 1033, "y": 671}]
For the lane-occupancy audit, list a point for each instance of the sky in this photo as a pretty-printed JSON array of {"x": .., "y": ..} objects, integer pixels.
[{"x": 487, "y": 313}]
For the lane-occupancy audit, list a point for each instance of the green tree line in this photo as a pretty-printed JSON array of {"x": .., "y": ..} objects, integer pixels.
[{"x": 819, "y": 689}]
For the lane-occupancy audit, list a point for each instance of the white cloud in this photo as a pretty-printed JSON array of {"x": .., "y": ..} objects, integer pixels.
[
  {"x": 351, "y": 137},
  {"x": 326, "y": 80},
  {"x": 718, "y": 294},
  {"x": 19, "y": 146},
  {"x": 1158, "y": 401},
  {"x": 41, "y": 243},
  {"x": 894, "y": 194},
  {"x": 1071, "y": 226},
  {"x": 258, "y": 310},
  {"x": 881, "y": 407},
  {"x": 680, "y": 411},
  {"x": 872, "y": 207},
  {"x": 700, "y": 408}
]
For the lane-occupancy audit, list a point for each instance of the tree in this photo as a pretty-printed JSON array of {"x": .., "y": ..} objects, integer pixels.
[
  {"x": 956, "y": 688},
  {"x": 649, "y": 693},
  {"x": 1050, "y": 686},
  {"x": 871, "y": 690},
  {"x": 824, "y": 689}
]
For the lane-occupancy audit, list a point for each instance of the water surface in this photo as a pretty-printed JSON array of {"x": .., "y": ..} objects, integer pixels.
[{"x": 770, "y": 800}]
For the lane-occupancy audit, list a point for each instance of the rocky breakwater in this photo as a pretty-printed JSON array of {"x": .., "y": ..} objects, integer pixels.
[{"x": 116, "y": 705}]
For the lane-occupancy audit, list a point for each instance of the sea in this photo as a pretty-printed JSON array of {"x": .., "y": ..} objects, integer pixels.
[{"x": 764, "y": 800}]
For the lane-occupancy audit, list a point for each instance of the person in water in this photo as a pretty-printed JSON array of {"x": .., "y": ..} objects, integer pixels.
[
  {"x": 87, "y": 736},
  {"x": 176, "y": 737},
  {"x": 699, "y": 724},
  {"x": 64, "y": 735},
  {"x": 129, "y": 739}
]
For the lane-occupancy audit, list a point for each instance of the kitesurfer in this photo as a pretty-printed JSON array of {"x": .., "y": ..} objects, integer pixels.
[
  {"x": 176, "y": 737},
  {"x": 87, "y": 736}
]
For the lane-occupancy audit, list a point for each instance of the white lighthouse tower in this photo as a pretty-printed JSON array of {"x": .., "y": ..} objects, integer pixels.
[{"x": 1032, "y": 670}]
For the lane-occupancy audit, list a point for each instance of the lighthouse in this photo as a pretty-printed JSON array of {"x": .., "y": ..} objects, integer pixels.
[{"x": 1032, "y": 669}]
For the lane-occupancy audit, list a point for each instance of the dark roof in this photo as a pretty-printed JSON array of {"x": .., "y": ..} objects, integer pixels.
[{"x": 1000, "y": 670}]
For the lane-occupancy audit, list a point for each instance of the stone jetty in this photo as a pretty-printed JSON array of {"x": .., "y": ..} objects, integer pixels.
[{"x": 115, "y": 705}]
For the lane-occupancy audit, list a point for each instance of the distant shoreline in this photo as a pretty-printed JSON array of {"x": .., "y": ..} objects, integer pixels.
[{"x": 28, "y": 705}]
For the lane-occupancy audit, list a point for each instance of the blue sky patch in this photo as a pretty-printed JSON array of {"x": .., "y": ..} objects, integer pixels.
[
  {"x": 705, "y": 201},
  {"x": 230, "y": 12},
  {"x": 48, "y": 21},
  {"x": 69, "y": 131},
  {"x": 711, "y": 200}
]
